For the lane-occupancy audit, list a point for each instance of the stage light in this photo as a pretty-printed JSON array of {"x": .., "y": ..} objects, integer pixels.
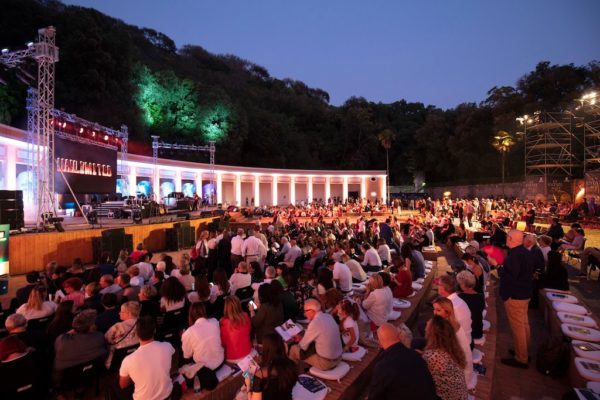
[
  {"x": 80, "y": 130},
  {"x": 93, "y": 133},
  {"x": 105, "y": 137},
  {"x": 4, "y": 51},
  {"x": 64, "y": 124},
  {"x": 30, "y": 44},
  {"x": 447, "y": 194}
]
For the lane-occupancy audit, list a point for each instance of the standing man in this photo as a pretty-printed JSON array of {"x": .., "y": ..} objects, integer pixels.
[
  {"x": 516, "y": 279},
  {"x": 400, "y": 372},
  {"x": 253, "y": 249},
  {"x": 236, "y": 248}
]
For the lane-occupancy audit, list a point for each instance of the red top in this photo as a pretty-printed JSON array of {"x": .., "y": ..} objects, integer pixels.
[
  {"x": 236, "y": 340},
  {"x": 403, "y": 286},
  {"x": 136, "y": 255}
]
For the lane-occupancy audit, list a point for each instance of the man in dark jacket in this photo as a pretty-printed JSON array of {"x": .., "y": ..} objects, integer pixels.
[
  {"x": 399, "y": 373},
  {"x": 516, "y": 285}
]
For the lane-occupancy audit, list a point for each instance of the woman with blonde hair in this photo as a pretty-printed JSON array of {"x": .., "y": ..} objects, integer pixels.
[
  {"x": 377, "y": 302},
  {"x": 235, "y": 330},
  {"x": 443, "y": 307},
  {"x": 36, "y": 307},
  {"x": 445, "y": 359}
]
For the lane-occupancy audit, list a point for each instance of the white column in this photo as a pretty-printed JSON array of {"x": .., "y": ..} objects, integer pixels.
[
  {"x": 257, "y": 190},
  {"x": 345, "y": 189},
  {"x": 383, "y": 188},
  {"x": 327, "y": 189},
  {"x": 293, "y": 190},
  {"x": 238, "y": 190},
  {"x": 156, "y": 185},
  {"x": 219, "y": 183},
  {"x": 309, "y": 189},
  {"x": 11, "y": 168},
  {"x": 132, "y": 184},
  {"x": 363, "y": 187},
  {"x": 274, "y": 190},
  {"x": 178, "y": 184},
  {"x": 199, "y": 183}
]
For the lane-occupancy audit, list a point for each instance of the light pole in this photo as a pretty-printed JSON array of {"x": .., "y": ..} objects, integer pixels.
[{"x": 503, "y": 141}]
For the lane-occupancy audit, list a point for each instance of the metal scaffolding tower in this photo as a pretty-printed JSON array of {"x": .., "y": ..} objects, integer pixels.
[
  {"x": 41, "y": 134},
  {"x": 589, "y": 109},
  {"x": 553, "y": 148},
  {"x": 210, "y": 148}
]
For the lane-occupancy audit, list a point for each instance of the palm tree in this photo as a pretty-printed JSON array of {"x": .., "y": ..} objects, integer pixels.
[
  {"x": 503, "y": 141},
  {"x": 386, "y": 137}
]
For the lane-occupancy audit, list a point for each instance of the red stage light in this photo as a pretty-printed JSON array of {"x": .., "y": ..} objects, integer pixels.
[
  {"x": 105, "y": 137},
  {"x": 93, "y": 133}
]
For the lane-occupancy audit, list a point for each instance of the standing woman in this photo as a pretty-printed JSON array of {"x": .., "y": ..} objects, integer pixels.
[
  {"x": 200, "y": 254},
  {"x": 445, "y": 360}
]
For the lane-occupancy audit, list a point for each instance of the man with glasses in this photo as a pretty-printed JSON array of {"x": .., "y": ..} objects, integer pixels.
[{"x": 320, "y": 346}]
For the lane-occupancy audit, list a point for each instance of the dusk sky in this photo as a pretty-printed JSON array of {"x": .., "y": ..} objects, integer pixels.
[{"x": 437, "y": 52}]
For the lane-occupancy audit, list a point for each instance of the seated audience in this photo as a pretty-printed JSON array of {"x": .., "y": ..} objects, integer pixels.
[
  {"x": 172, "y": 295},
  {"x": 62, "y": 321},
  {"x": 358, "y": 273},
  {"x": 341, "y": 275},
  {"x": 149, "y": 305},
  {"x": 320, "y": 346},
  {"x": 79, "y": 345},
  {"x": 186, "y": 278},
  {"x": 129, "y": 293},
  {"x": 269, "y": 313},
  {"x": 402, "y": 283},
  {"x": 236, "y": 330},
  {"x": 22, "y": 295},
  {"x": 108, "y": 285},
  {"x": 399, "y": 372},
  {"x": 556, "y": 275},
  {"x": 447, "y": 288},
  {"x": 276, "y": 376},
  {"x": 145, "y": 266},
  {"x": 377, "y": 302},
  {"x": 16, "y": 325},
  {"x": 36, "y": 307},
  {"x": 202, "y": 342},
  {"x": 371, "y": 261},
  {"x": 348, "y": 312},
  {"x": 123, "y": 334},
  {"x": 240, "y": 278},
  {"x": 110, "y": 315},
  {"x": 72, "y": 288}
]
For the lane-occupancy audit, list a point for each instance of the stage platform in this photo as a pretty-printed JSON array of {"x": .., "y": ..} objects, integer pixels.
[{"x": 32, "y": 251}]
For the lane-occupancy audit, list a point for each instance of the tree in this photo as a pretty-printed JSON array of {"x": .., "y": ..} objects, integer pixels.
[{"x": 386, "y": 137}]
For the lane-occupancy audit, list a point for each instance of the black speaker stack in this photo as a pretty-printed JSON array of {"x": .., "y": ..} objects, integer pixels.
[
  {"x": 112, "y": 241},
  {"x": 11, "y": 208},
  {"x": 181, "y": 236}
]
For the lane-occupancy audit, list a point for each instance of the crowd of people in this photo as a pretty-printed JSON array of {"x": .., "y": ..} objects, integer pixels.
[{"x": 223, "y": 300}]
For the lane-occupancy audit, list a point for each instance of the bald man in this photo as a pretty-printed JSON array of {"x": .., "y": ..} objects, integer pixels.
[
  {"x": 516, "y": 285},
  {"x": 400, "y": 373}
]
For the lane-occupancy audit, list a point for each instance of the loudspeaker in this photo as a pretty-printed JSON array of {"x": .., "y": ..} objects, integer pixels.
[
  {"x": 136, "y": 216},
  {"x": 59, "y": 227},
  {"x": 113, "y": 232},
  {"x": 13, "y": 217},
  {"x": 182, "y": 224},
  {"x": 111, "y": 244},
  {"x": 92, "y": 218}
]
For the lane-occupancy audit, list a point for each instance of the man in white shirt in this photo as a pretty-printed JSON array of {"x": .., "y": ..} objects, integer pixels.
[
  {"x": 293, "y": 253},
  {"x": 149, "y": 366},
  {"x": 371, "y": 261},
  {"x": 383, "y": 250},
  {"x": 108, "y": 285},
  {"x": 341, "y": 275},
  {"x": 320, "y": 346},
  {"x": 240, "y": 278},
  {"x": 146, "y": 268},
  {"x": 447, "y": 288},
  {"x": 252, "y": 249},
  {"x": 236, "y": 248},
  {"x": 358, "y": 273}
]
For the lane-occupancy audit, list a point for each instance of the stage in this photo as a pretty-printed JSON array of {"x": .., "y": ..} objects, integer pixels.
[{"x": 32, "y": 251}]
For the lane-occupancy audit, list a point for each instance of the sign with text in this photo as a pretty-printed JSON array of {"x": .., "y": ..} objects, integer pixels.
[{"x": 87, "y": 168}]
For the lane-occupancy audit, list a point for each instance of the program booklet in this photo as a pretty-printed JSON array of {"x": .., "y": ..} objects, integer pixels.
[
  {"x": 288, "y": 330},
  {"x": 247, "y": 364}
]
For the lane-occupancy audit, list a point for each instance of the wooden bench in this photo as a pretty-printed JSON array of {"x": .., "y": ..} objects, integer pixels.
[{"x": 355, "y": 383}]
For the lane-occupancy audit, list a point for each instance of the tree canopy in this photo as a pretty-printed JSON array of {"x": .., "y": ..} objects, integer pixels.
[{"x": 114, "y": 74}]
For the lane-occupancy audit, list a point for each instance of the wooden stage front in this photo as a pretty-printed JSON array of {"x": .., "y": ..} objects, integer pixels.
[{"x": 32, "y": 251}]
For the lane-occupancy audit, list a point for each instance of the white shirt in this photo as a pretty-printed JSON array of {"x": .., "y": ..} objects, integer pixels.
[
  {"x": 203, "y": 341},
  {"x": 149, "y": 367},
  {"x": 136, "y": 281},
  {"x": 350, "y": 324},
  {"x": 146, "y": 270},
  {"x": 253, "y": 247},
  {"x": 171, "y": 305},
  {"x": 371, "y": 258},
  {"x": 357, "y": 271},
  {"x": 343, "y": 276},
  {"x": 462, "y": 314},
  {"x": 238, "y": 281},
  {"x": 48, "y": 308},
  {"x": 325, "y": 332},
  {"x": 378, "y": 305},
  {"x": 383, "y": 250},
  {"x": 465, "y": 345},
  {"x": 236, "y": 245}
]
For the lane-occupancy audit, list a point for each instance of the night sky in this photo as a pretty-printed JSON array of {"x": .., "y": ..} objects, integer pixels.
[{"x": 437, "y": 52}]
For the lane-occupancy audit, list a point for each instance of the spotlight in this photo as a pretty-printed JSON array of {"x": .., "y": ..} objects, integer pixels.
[
  {"x": 64, "y": 124},
  {"x": 105, "y": 137},
  {"x": 30, "y": 44},
  {"x": 93, "y": 133},
  {"x": 80, "y": 130},
  {"x": 4, "y": 51}
]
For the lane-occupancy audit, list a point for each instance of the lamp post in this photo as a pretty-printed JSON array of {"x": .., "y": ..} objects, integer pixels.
[{"x": 503, "y": 141}]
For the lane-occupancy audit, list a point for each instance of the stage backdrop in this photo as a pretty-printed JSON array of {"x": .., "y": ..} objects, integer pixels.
[{"x": 88, "y": 168}]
